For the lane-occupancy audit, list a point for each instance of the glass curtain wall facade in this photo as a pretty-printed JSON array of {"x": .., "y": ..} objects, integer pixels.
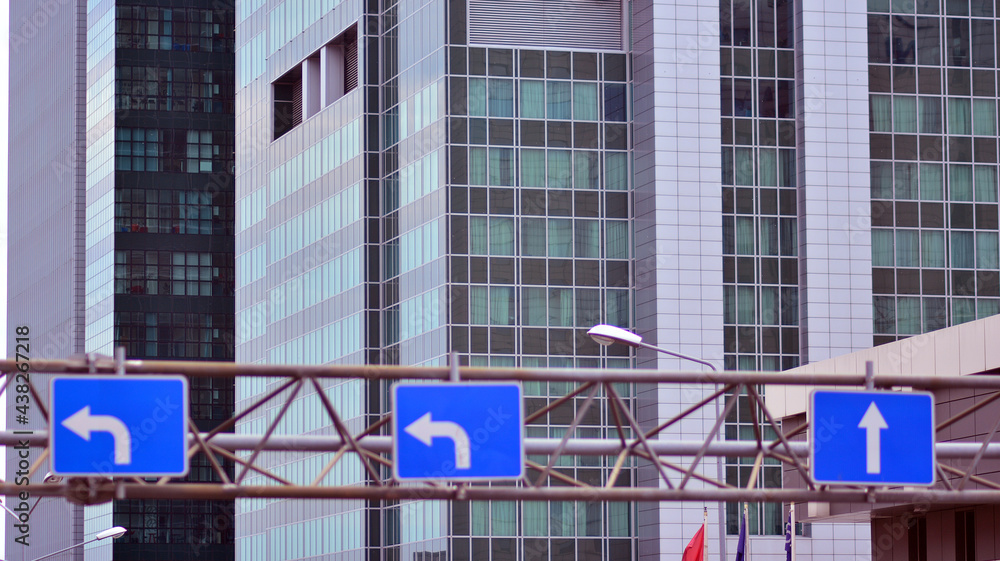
[
  {"x": 933, "y": 122},
  {"x": 306, "y": 166},
  {"x": 759, "y": 220},
  {"x": 160, "y": 230},
  {"x": 839, "y": 191},
  {"x": 408, "y": 186}
]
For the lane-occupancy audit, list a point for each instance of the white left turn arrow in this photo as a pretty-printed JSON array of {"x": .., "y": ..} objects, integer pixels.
[
  {"x": 425, "y": 429},
  {"x": 873, "y": 422},
  {"x": 82, "y": 423}
]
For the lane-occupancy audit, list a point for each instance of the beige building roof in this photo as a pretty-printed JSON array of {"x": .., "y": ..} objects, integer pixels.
[{"x": 969, "y": 348}]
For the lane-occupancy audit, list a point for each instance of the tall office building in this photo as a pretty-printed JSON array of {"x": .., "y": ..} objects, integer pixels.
[
  {"x": 141, "y": 222},
  {"x": 494, "y": 178},
  {"x": 159, "y": 279},
  {"x": 403, "y": 191},
  {"x": 45, "y": 226}
]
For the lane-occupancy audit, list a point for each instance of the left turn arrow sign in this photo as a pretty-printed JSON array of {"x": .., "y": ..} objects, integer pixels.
[{"x": 82, "y": 423}]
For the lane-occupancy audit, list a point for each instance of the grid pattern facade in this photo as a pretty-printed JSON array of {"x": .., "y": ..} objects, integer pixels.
[
  {"x": 933, "y": 123},
  {"x": 759, "y": 199},
  {"x": 539, "y": 227},
  {"x": 759, "y": 218}
]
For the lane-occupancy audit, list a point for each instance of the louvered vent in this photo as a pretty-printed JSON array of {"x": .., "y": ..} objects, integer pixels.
[
  {"x": 287, "y": 101},
  {"x": 297, "y": 103},
  {"x": 351, "y": 60},
  {"x": 568, "y": 24}
]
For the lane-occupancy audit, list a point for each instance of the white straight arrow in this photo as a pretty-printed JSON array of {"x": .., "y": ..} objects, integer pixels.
[
  {"x": 873, "y": 422},
  {"x": 424, "y": 429},
  {"x": 82, "y": 423}
]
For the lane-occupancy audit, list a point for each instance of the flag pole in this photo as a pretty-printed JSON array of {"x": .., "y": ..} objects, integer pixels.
[
  {"x": 791, "y": 509},
  {"x": 746, "y": 521},
  {"x": 704, "y": 525}
]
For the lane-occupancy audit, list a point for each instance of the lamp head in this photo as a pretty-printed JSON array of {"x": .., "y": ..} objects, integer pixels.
[
  {"x": 605, "y": 334},
  {"x": 112, "y": 533}
]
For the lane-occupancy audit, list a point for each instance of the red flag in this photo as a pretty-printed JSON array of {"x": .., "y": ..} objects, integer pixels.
[{"x": 695, "y": 550}]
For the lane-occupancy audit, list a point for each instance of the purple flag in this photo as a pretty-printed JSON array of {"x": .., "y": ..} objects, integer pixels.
[
  {"x": 741, "y": 545},
  {"x": 788, "y": 537}
]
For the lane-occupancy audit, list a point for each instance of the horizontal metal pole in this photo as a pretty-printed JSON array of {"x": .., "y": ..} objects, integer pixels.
[
  {"x": 540, "y": 446},
  {"x": 367, "y": 372},
  {"x": 205, "y": 491},
  {"x": 579, "y": 446}
]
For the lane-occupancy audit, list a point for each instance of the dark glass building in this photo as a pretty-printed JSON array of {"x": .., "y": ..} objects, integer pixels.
[{"x": 159, "y": 230}]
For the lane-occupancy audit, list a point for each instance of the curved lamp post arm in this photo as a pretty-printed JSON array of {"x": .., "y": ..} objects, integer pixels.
[
  {"x": 678, "y": 355},
  {"x": 605, "y": 334}
]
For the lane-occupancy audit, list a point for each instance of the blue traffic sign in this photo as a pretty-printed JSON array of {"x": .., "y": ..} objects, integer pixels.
[
  {"x": 457, "y": 431},
  {"x": 119, "y": 425},
  {"x": 869, "y": 437}
]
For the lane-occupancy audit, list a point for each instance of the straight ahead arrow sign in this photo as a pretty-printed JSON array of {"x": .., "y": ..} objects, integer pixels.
[
  {"x": 871, "y": 437},
  {"x": 874, "y": 423}
]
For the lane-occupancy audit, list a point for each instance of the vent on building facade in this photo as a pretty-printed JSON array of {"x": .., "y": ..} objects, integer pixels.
[
  {"x": 316, "y": 82},
  {"x": 287, "y": 102},
  {"x": 576, "y": 24},
  {"x": 350, "y": 59}
]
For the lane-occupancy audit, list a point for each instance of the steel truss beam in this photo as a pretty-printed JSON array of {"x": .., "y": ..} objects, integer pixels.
[{"x": 675, "y": 461}]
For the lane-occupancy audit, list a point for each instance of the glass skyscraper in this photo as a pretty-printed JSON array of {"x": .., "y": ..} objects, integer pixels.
[
  {"x": 159, "y": 231},
  {"x": 408, "y": 184}
]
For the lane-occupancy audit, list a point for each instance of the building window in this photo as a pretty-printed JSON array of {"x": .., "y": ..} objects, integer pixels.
[
  {"x": 319, "y": 80},
  {"x": 173, "y": 273},
  {"x": 166, "y": 211},
  {"x": 174, "y": 29},
  {"x": 965, "y": 535},
  {"x": 916, "y": 536},
  {"x": 177, "y": 150},
  {"x": 175, "y": 335},
  {"x": 174, "y": 89},
  {"x": 288, "y": 102}
]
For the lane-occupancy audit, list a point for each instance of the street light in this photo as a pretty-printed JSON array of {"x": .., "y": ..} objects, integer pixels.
[
  {"x": 112, "y": 533},
  {"x": 605, "y": 334}
]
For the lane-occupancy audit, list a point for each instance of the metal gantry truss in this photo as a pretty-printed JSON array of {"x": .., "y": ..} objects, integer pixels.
[{"x": 675, "y": 461}]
